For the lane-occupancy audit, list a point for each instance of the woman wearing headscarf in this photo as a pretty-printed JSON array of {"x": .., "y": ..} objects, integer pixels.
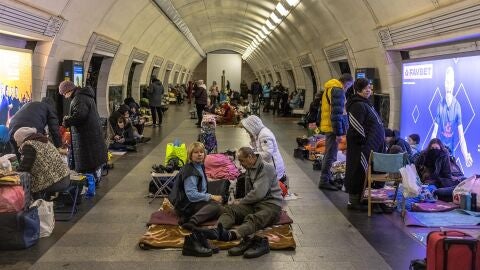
[
  {"x": 42, "y": 160},
  {"x": 365, "y": 134}
]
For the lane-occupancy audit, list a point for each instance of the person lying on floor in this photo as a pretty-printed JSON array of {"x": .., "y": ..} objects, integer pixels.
[
  {"x": 259, "y": 209},
  {"x": 193, "y": 204},
  {"x": 41, "y": 159}
]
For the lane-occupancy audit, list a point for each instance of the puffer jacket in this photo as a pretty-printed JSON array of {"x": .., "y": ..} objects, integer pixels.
[
  {"x": 264, "y": 143},
  {"x": 88, "y": 145},
  {"x": 333, "y": 116}
]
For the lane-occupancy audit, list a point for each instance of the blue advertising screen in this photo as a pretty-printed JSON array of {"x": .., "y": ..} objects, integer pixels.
[
  {"x": 441, "y": 98},
  {"x": 78, "y": 75}
]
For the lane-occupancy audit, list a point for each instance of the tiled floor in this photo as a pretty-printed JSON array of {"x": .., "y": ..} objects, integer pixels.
[{"x": 106, "y": 236}]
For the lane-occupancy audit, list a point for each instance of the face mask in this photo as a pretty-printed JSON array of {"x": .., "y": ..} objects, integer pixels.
[{"x": 434, "y": 153}]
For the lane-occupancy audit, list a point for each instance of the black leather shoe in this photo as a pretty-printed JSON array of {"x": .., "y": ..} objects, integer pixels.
[
  {"x": 218, "y": 233},
  {"x": 241, "y": 248},
  {"x": 193, "y": 247},
  {"x": 327, "y": 186},
  {"x": 258, "y": 248},
  {"x": 205, "y": 243}
]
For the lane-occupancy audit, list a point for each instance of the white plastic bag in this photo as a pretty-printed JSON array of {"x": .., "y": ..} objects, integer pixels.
[
  {"x": 410, "y": 181},
  {"x": 468, "y": 186},
  {"x": 46, "y": 215}
]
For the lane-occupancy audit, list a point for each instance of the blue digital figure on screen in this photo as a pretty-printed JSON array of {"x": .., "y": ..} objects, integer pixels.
[{"x": 448, "y": 126}]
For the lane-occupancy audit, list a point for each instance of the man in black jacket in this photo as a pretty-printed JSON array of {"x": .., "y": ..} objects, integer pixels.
[
  {"x": 256, "y": 89},
  {"x": 37, "y": 115}
]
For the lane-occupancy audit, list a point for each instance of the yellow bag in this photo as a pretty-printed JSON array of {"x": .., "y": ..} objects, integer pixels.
[{"x": 176, "y": 151}]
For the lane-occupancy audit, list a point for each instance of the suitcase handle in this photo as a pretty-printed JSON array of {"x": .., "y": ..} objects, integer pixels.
[{"x": 471, "y": 243}]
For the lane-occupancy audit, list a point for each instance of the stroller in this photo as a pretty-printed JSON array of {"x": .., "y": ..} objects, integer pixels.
[{"x": 207, "y": 134}]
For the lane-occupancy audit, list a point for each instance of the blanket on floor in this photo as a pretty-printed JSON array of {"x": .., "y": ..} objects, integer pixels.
[
  {"x": 455, "y": 218},
  {"x": 164, "y": 232}
]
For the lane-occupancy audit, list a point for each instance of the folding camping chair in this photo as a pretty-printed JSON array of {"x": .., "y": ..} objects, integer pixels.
[
  {"x": 386, "y": 168},
  {"x": 164, "y": 183},
  {"x": 73, "y": 193}
]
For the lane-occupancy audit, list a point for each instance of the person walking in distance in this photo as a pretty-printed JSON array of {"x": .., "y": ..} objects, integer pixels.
[{"x": 333, "y": 123}]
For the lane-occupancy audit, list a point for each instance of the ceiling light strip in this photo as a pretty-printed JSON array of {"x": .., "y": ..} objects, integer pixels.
[
  {"x": 281, "y": 11},
  {"x": 169, "y": 10}
]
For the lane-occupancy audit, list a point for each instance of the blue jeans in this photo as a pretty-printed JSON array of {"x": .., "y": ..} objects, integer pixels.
[{"x": 330, "y": 156}]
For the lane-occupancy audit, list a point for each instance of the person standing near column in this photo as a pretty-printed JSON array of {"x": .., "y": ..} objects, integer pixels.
[
  {"x": 155, "y": 92},
  {"x": 333, "y": 124},
  {"x": 201, "y": 100}
]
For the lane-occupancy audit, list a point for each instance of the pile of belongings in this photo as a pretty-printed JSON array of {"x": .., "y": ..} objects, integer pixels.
[
  {"x": 319, "y": 146},
  {"x": 9, "y": 178}
]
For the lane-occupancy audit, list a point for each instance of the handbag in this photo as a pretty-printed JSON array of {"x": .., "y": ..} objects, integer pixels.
[
  {"x": 19, "y": 230},
  {"x": 46, "y": 216}
]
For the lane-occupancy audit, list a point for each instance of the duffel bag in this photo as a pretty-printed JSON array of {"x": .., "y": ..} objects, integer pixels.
[{"x": 19, "y": 230}]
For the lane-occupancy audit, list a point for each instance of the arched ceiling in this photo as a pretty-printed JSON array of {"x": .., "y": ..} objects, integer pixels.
[{"x": 216, "y": 22}]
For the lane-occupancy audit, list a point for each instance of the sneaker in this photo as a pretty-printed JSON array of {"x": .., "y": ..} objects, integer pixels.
[
  {"x": 327, "y": 186},
  {"x": 258, "y": 248},
  {"x": 193, "y": 247},
  {"x": 242, "y": 247}
]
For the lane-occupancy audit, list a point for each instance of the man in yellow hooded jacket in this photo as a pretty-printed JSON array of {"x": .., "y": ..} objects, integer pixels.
[{"x": 334, "y": 124}]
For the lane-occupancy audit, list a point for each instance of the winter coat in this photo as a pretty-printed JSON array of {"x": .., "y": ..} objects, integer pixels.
[
  {"x": 201, "y": 95},
  {"x": 264, "y": 143},
  {"x": 38, "y": 115},
  {"x": 177, "y": 196},
  {"x": 214, "y": 91},
  {"x": 261, "y": 185},
  {"x": 88, "y": 145},
  {"x": 42, "y": 160},
  {"x": 155, "y": 91},
  {"x": 313, "y": 111},
  {"x": 436, "y": 170},
  {"x": 266, "y": 91},
  {"x": 365, "y": 134},
  {"x": 256, "y": 88},
  {"x": 332, "y": 111}
]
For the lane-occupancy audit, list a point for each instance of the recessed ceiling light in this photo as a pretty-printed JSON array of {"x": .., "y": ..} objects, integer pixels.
[
  {"x": 270, "y": 25},
  {"x": 280, "y": 8},
  {"x": 293, "y": 3},
  {"x": 275, "y": 19}
]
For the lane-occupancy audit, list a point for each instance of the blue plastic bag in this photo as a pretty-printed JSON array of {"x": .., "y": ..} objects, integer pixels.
[{"x": 91, "y": 186}]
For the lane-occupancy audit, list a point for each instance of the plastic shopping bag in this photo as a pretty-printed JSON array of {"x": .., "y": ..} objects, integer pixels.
[
  {"x": 410, "y": 181},
  {"x": 468, "y": 186}
]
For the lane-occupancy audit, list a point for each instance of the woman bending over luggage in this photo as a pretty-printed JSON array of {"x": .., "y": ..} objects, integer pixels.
[
  {"x": 193, "y": 204},
  {"x": 42, "y": 160}
]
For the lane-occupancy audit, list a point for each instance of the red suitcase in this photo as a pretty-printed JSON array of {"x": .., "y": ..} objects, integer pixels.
[{"x": 451, "y": 250}]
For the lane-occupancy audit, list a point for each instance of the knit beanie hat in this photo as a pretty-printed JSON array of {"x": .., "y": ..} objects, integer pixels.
[
  {"x": 22, "y": 133},
  {"x": 123, "y": 109},
  {"x": 65, "y": 87},
  {"x": 252, "y": 124}
]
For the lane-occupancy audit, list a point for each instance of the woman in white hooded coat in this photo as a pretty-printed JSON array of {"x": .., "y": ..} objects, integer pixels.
[{"x": 264, "y": 143}]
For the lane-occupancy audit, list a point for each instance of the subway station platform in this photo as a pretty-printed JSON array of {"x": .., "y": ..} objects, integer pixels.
[{"x": 105, "y": 233}]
